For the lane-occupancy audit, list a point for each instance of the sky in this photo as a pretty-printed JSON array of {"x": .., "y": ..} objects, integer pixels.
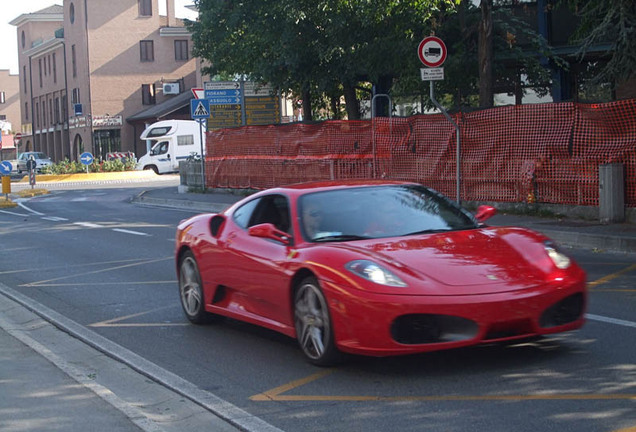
[{"x": 11, "y": 9}]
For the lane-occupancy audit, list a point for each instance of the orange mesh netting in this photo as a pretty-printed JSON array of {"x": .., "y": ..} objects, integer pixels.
[{"x": 535, "y": 153}]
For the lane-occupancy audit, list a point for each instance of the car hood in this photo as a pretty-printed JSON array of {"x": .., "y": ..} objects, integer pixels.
[{"x": 478, "y": 261}]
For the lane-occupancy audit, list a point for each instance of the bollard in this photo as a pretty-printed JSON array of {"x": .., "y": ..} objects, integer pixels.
[
  {"x": 6, "y": 185},
  {"x": 611, "y": 193}
]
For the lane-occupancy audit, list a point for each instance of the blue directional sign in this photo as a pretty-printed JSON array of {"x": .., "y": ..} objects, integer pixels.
[
  {"x": 224, "y": 96},
  {"x": 5, "y": 167},
  {"x": 86, "y": 158},
  {"x": 199, "y": 108}
]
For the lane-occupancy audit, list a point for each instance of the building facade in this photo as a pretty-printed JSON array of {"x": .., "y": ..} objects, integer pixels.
[{"x": 89, "y": 65}]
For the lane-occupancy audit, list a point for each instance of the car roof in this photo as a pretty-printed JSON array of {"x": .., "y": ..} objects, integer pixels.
[{"x": 319, "y": 186}]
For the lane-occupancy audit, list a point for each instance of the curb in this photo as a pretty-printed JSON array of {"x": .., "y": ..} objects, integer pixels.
[
  {"x": 600, "y": 242},
  {"x": 180, "y": 204}
]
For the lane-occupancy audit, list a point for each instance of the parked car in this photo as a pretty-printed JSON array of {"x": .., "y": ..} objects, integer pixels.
[
  {"x": 41, "y": 160},
  {"x": 375, "y": 268}
]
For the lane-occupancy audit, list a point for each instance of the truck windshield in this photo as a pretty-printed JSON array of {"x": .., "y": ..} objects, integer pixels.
[{"x": 159, "y": 148}]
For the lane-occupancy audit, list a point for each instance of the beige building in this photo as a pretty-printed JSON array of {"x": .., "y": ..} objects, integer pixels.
[
  {"x": 9, "y": 102},
  {"x": 88, "y": 66}
]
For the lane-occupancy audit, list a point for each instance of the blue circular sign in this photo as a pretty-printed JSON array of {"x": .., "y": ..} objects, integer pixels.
[
  {"x": 87, "y": 158},
  {"x": 5, "y": 167}
]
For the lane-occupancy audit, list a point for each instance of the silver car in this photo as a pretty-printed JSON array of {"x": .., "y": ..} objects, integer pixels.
[{"x": 41, "y": 160}]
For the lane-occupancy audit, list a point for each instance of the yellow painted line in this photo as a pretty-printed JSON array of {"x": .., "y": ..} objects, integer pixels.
[
  {"x": 467, "y": 398},
  {"x": 104, "y": 283},
  {"x": 274, "y": 393},
  {"x": 70, "y": 265},
  {"x": 117, "y": 322},
  {"x": 611, "y": 277},
  {"x": 97, "y": 271}
]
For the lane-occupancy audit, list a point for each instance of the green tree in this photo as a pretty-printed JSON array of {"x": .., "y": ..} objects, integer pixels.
[
  {"x": 314, "y": 47},
  {"x": 608, "y": 21}
]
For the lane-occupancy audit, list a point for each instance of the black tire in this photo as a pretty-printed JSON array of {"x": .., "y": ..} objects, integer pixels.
[
  {"x": 152, "y": 167},
  {"x": 191, "y": 291},
  {"x": 314, "y": 331}
]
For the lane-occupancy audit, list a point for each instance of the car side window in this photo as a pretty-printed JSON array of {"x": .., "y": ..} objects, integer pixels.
[
  {"x": 272, "y": 209},
  {"x": 243, "y": 214}
]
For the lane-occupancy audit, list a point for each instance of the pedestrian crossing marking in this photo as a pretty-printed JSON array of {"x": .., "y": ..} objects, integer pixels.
[{"x": 200, "y": 111}]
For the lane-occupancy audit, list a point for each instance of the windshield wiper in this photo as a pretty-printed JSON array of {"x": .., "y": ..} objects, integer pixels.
[
  {"x": 430, "y": 231},
  {"x": 340, "y": 237}
]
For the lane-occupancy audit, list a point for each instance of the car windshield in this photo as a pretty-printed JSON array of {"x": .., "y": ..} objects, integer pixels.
[
  {"x": 379, "y": 211},
  {"x": 39, "y": 155}
]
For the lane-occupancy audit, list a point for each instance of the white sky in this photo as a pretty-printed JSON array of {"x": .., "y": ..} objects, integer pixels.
[{"x": 12, "y": 9}]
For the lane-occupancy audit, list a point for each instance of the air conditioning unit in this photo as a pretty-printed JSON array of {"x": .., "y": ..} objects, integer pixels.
[{"x": 171, "y": 88}]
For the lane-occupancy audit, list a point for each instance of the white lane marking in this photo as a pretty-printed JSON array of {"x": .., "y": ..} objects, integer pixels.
[
  {"x": 87, "y": 224},
  {"x": 14, "y": 213},
  {"x": 611, "y": 320},
  {"x": 55, "y": 218},
  {"x": 30, "y": 210},
  {"x": 125, "y": 231}
]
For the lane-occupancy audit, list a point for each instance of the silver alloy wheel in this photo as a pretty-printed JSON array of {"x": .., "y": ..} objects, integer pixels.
[
  {"x": 312, "y": 321},
  {"x": 190, "y": 288}
]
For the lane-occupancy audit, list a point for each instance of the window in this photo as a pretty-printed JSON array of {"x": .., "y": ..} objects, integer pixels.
[
  {"x": 181, "y": 50},
  {"x": 64, "y": 115},
  {"x": 145, "y": 7},
  {"x": 148, "y": 94},
  {"x": 24, "y": 78},
  {"x": 51, "y": 112},
  {"x": 26, "y": 111},
  {"x": 147, "y": 51},
  {"x": 2, "y": 98},
  {"x": 37, "y": 114},
  {"x": 54, "y": 69},
  {"x": 185, "y": 140},
  {"x": 57, "y": 111},
  {"x": 43, "y": 114},
  {"x": 49, "y": 65},
  {"x": 72, "y": 13},
  {"x": 40, "y": 69},
  {"x": 44, "y": 66},
  {"x": 23, "y": 37},
  {"x": 73, "y": 61},
  {"x": 75, "y": 96}
]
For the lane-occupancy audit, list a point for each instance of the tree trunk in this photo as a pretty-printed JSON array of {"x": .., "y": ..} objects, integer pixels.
[
  {"x": 351, "y": 102},
  {"x": 485, "y": 54},
  {"x": 306, "y": 95}
]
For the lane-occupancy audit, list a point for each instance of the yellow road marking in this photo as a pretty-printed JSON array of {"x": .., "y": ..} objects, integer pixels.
[
  {"x": 274, "y": 393},
  {"x": 116, "y": 322},
  {"x": 97, "y": 271},
  {"x": 74, "y": 265},
  {"x": 105, "y": 283},
  {"x": 482, "y": 398},
  {"x": 612, "y": 276}
]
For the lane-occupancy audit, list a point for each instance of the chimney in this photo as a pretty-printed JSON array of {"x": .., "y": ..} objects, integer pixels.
[{"x": 170, "y": 13}]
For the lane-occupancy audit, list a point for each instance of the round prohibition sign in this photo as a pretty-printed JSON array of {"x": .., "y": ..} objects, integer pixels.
[{"x": 432, "y": 51}]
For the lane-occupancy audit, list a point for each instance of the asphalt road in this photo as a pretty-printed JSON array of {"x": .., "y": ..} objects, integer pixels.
[{"x": 107, "y": 264}]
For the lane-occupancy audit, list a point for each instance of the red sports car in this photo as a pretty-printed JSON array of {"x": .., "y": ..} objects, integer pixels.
[{"x": 375, "y": 268}]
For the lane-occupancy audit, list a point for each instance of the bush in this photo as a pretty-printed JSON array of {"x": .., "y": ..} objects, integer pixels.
[{"x": 74, "y": 167}]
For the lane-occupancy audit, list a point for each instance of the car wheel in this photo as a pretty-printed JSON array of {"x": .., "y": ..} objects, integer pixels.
[
  {"x": 313, "y": 324},
  {"x": 191, "y": 291}
]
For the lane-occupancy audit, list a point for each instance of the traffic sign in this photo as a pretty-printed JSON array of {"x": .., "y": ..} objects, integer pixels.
[
  {"x": 199, "y": 108},
  {"x": 432, "y": 51},
  {"x": 198, "y": 93},
  {"x": 31, "y": 164},
  {"x": 17, "y": 137},
  {"x": 6, "y": 167},
  {"x": 432, "y": 74},
  {"x": 87, "y": 158},
  {"x": 223, "y": 96}
]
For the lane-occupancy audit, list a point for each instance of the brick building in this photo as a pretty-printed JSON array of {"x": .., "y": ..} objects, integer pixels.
[{"x": 88, "y": 65}]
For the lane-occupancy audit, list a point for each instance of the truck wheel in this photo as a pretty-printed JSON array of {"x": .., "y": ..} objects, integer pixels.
[{"x": 152, "y": 167}]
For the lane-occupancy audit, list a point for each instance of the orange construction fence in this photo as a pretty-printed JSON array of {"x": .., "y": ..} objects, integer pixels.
[{"x": 547, "y": 153}]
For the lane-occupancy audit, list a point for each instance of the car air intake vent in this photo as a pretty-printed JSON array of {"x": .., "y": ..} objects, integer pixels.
[
  {"x": 430, "y": 328},
  {"x": 563, "y": 312}
]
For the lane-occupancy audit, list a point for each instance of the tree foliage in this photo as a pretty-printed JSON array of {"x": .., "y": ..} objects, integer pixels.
[
  {"x": 320, "y": 46},
  {"x": 613, "y": 22}
]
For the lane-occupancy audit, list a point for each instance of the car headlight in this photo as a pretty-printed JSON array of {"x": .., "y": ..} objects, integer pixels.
[
  {"x": 560, "y": 260},
  {"x": 374, "y": 272}
]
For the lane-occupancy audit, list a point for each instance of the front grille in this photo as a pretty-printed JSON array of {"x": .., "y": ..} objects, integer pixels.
[
  {"x": 431, "y": 328},
  {"x": 563, "y": 312}
]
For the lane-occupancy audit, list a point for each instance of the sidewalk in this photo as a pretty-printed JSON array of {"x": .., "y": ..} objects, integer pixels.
[{"x": 568, "y": 232}]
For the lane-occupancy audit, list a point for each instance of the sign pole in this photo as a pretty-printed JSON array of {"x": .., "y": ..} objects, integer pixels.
[{"x": 201, "y": 121}]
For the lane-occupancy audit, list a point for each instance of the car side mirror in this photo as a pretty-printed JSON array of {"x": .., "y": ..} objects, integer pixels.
[
  {"x": 484, "y": 213},
  {"x": 269, "y": 231}
]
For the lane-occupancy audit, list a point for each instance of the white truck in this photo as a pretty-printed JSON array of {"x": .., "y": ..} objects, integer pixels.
[{"x": 171, "y": 141}]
